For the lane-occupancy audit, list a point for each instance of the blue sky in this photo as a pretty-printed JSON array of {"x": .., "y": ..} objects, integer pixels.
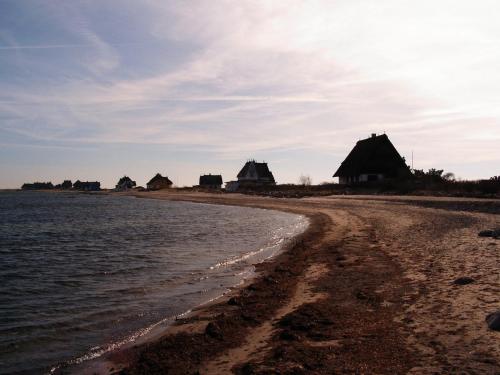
[{"x": 97, "y": 89}]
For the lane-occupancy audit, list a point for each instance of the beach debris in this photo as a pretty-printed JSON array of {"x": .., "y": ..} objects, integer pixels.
[
  {"x": 493, "y": 321},
  {"x": 297, "y": 322},
  {"x": 362, "y": 295},
  {"x": 254, "y": 287},
  {"x": 248, "y": 317},
  {"x": 270, "y": 280},
  {"x": 463, "y": 280},
  {"x": 248, "y": 369},
  {"x": 213, "y": 330},
  {"x": 233, "y": 301},
  {"x": 283, "y": 269},
  {"x": 288, "y": 336},
  {"x": 307, "y": 319},
  {"x": 494, "y": 233},
  {"x": 366, "y": 297}
]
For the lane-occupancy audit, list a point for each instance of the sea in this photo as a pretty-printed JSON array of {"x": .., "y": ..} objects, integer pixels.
[{"x": 83, "y": 274}]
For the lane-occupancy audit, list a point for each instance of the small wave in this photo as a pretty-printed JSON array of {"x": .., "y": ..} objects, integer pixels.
[{"x": 232, "y": 261}]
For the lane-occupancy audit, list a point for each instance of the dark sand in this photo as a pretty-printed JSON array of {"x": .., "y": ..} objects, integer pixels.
[{"x": 368, "y": 289}]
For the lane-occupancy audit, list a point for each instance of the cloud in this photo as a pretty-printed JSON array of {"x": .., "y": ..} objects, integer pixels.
[{"x": 265, "y": 76}]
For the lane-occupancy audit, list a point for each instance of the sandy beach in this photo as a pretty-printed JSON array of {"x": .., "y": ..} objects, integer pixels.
[{"x": 368, "y": 288}]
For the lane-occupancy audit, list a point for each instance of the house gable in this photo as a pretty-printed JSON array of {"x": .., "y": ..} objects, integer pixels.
[
  {"x": 374, "y": 156},
  {"x": 256, "y": 172}
]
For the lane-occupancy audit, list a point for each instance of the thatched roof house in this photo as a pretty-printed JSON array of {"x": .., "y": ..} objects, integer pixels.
[
  {"x": 125, "y": 183},
  {"x": 211, "y": 181},
  {"x": 254, "y": 173},
  {"x": 159, "y": 182},
  {"x": 372, "y": 159}
]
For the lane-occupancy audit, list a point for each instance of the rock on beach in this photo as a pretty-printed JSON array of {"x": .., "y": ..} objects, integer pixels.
[
  {"x": 493, "y": 321},
  {"x": 495, "y": 233}
]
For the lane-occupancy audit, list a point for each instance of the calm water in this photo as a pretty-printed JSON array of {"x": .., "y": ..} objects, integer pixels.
[{"x": 81, "y": 274}]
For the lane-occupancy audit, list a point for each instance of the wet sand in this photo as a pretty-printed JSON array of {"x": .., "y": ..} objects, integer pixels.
[{"x": 368, "y": 288}]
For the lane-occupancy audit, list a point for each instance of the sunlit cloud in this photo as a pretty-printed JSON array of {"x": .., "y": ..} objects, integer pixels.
[{"x": 239, "y": 79}]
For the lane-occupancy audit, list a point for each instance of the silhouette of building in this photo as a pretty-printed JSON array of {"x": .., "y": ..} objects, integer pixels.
[
  {"x": 159, "y": 182},
  {"x": 125, "y": 183},
  {"x": 211, "y": 181},
  {"x": 232, "y": 186},
  {"x": 87, "y": 185},
  {"x": 66, "y": 184},
  {"x": 37, "y": 186},
  {"x": 372, "y": 159},
  {"x": 254, "y": 173}
]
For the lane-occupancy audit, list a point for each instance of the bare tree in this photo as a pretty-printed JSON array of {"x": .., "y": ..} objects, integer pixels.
[{"x": 305, "y": 180}]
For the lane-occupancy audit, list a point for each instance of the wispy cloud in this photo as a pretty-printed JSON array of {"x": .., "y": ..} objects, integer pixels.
[
  {"x": 57, "y": 46},
  {"x": 261, "y": 77}
]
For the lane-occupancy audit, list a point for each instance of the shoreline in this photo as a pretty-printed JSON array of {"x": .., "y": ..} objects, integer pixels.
[
  {"x": 117, "y": 360},
  {"x": 101, "y": 364},
  {"x": 355, "y": 294}
]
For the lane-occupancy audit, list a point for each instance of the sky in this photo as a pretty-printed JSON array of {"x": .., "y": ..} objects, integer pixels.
[{"x": 94, "y": 90}]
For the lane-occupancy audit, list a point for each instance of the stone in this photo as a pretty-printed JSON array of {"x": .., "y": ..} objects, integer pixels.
[
  {"x": 495, "y": 233},
  {"x": 463, "y": 281},
  {"x": 485, "y": 233},
  {"x": 493, "y": 321}
]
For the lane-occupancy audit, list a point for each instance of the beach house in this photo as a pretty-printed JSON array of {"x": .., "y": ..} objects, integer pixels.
[
  {"x": 371, "y": 160},
  {"x": 159, "y": 182},
  {"x": 255, "y": 174},
  {"x": 37, "y": 186},
  {"x": 211, "y": 181},
  {"x": 125, "y": 183},
  {"x": 67, "y": 184},
  {"x": 87, "y": 185}
]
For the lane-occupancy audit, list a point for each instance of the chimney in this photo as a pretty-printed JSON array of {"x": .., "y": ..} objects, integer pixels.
[{"x": 374, "y": 135}]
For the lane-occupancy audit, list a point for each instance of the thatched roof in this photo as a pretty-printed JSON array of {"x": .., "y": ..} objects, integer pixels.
[
  {"x": 211, "y": 179},
  {"x": 159, "y": 178},
  {"x": 372, "y": 156},
  {"x": 261, "y": 169},
  {"x": 125, "y": 180}
]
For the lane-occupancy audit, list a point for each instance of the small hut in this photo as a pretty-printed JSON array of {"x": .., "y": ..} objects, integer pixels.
[
  {"x": 211, "y": 181},
  {"x": 371, "y": 160},
  {"x": 159, "y": 182}
]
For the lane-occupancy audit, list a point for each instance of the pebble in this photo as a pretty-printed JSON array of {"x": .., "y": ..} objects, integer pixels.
[
  {"x": 495, "y": 233},
  {"x": 463, "y": 281},
  {"x": 493, "y": 321}
]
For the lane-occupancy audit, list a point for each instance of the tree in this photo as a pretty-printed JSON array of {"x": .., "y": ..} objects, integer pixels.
[
  {"x": 449, "y": 176},
  {"x": 305, "y": 180},
  {"x": 433, "y": 175}
]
